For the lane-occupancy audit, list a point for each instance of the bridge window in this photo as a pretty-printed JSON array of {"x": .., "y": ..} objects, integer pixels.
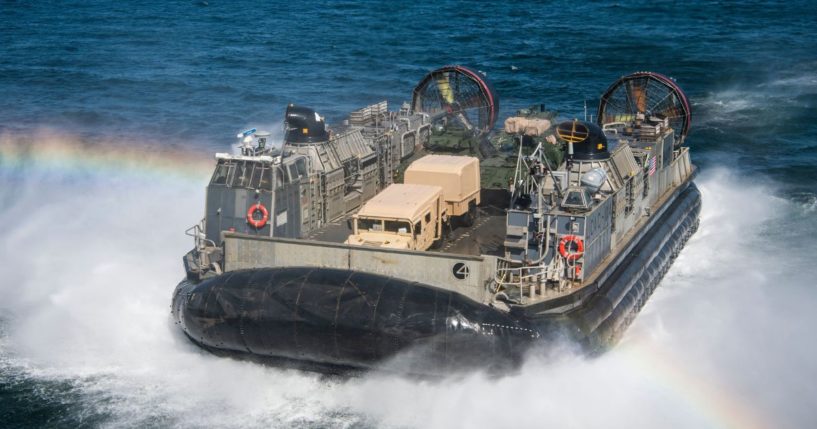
[
  {"x": 301, "y": 165},
  {"x": 293, "y": 172},
  {"x": 266, "y": 178},
  {"x": 221, "y": 174},
  {"x": 574, "y": 199},
  {"x": 255, "y": 182},
  {"x": 280, "y": 177},
  {"x": 261, "y": 176},
  {"x": 241, "y": 177},
  {"x": 577, "y": 198}
]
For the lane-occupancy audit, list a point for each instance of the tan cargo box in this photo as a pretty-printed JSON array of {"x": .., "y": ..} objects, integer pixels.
[
  {"x": 401, "y": 201},
  {"x": 457, "y": 175}
]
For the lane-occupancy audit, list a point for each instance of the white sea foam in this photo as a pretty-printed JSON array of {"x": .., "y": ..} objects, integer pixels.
[
  {"x": 798, "y": 81},
  {"x": 89, "y": 268},
  {"x": 756, "y": 104}
]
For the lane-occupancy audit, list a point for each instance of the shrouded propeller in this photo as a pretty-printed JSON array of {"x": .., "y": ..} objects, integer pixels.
[
  {"x": 648, "y": 93},
  {"x": 457, "y": 93}
]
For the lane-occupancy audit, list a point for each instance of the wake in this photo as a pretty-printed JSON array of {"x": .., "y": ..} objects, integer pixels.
[{"x": 91, "y": 257}]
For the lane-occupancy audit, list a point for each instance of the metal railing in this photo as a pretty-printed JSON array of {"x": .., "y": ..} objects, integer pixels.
[
  {"x": 200, "y": 242},
  {"x": 522, "y": 278}
]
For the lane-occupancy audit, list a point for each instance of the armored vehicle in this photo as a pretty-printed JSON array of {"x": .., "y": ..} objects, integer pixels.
[{"x": 427, "y": 237}]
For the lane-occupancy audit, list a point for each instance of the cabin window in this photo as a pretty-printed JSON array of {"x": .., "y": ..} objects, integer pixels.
[
  {"x": 577, "y": 198},
  {"x": 418, "y": 228},
  {"x": 221, "y": 174},
  {"x": 428, "y": 218},
  {"x": 279, "y": 177},
  {"x": 574, "y": 199},
  {"x": 241, "y": 176},
  {"x": 301, "y": 166},
  {"x": 257, "y": 171},
  {"x": 261, "y": 176},
  {"x": 266, "y": 178},
  {"x": 293, "y": 172},
  {"x": 397, "y": 227}
]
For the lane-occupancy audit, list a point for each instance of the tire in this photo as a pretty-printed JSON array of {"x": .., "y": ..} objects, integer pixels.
[
  {"x": 438, "y": 243},
  {"x": 469, "y": 218}
]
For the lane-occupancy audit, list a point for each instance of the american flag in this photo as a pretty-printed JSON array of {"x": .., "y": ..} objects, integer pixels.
[{"x": 652, "y": 166}]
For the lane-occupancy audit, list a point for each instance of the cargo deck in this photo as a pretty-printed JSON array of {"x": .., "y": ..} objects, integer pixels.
[{"x": 483, "y": 238}]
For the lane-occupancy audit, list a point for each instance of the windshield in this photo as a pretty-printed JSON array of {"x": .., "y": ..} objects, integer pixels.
[
  {"x": 397, "y": 227},
  {"x": 574, "y": 199},
  {"x": 364, "y": 224},
  {"x": 378, "y": 225}
]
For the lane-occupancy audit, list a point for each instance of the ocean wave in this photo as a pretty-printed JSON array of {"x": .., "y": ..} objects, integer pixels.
[{"x": 753, "y": 117}]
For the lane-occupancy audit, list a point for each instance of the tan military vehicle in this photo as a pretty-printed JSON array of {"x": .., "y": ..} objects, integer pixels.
[
  {"x": 402, "y": 216},
  {"x": 413, "y": 215},
  {"x": 459, "y": 178}
]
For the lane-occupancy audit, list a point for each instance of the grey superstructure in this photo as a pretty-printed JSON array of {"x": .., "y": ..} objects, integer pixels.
[
  {"x": 311, "y": 180},
  {"x": 576, "y": 225}
]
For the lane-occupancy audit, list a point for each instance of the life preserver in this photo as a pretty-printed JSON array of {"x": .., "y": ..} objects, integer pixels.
[
  {"x": 570, "y": 255},
  {"x": 257, "y": 223}
]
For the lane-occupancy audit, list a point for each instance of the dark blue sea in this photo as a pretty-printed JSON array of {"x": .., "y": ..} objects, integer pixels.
[{"x": 110, "y": 113}]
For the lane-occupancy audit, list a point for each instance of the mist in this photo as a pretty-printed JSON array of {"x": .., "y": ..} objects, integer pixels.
[{"x": 91, "y": 256}]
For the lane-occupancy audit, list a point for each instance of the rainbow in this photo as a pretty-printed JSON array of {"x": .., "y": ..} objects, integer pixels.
[
  {"x": 710, "y": 401},
  {"x": 59, "y": 155}
]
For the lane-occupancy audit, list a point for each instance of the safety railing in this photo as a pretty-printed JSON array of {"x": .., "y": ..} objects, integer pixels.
[
  {"x": 522, "y": 278},
  {"x": 200, "y": 241}
]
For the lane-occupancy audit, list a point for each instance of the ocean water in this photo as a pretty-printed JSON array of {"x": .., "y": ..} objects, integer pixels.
[{"x": 110, "y": 112}]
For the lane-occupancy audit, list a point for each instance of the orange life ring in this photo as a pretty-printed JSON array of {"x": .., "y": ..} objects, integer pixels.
[
  {"x": 570, "y": 255},
  {"x": 257, "y": 223}
]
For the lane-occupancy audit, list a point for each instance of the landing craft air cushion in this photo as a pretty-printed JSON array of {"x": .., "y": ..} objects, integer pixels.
[{"x": 426, "y": 232}]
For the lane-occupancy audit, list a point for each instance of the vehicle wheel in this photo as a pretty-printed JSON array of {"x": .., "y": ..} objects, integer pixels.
[
  {"x": 438, "y": 244},
  {"x": 469, "y": 218}
]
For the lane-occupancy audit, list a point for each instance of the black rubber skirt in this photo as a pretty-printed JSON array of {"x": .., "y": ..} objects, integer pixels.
[{"x": 341, "y": 318}]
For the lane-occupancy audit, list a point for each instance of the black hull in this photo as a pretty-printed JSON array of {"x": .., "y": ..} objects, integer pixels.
[{"x": 330, "y": 318}]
